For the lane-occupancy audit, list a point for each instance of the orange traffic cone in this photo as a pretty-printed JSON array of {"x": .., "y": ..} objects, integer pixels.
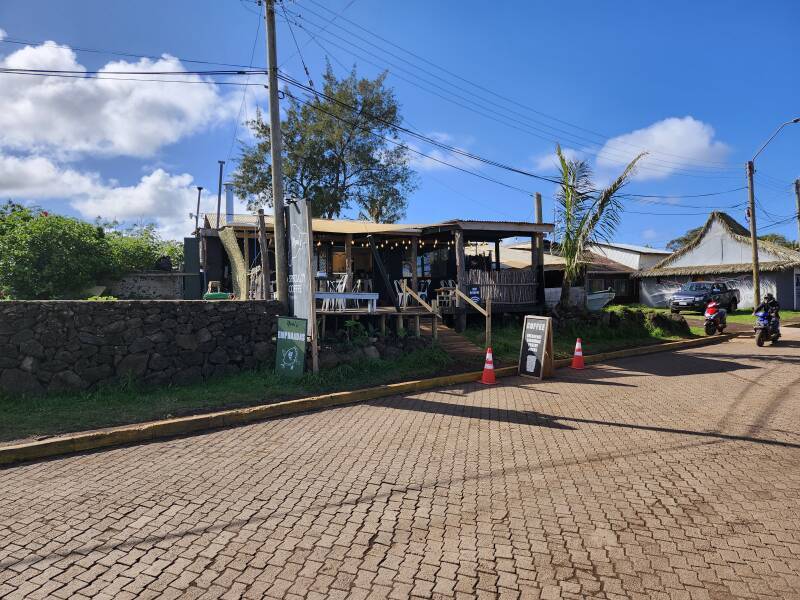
[
  {"x": 488, "y": 369},
  {"x": 577, "y": 359}
]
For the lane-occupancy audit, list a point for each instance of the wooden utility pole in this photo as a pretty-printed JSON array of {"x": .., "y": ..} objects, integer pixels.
[
  {"x": 281, "y": 267},
  {"x": 219, "y": 189},
  {"x": 753, "y": 238},
  {"x": 797, "y": 195},
  {"x": 537, "y": 210},
  {"x": 348, "y": 261},
  {"x": 262, "y": 241}
]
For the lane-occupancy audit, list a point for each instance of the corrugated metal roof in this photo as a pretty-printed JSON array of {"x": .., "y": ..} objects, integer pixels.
[
  {"x": 345, "y": 226},
  {"x": 633, "y": 248}
]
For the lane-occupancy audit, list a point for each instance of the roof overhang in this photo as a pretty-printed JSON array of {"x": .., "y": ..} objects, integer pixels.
[{"x": 727, "y": 269}]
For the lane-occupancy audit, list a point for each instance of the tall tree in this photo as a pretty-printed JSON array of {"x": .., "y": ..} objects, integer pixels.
[
  {"x": 336, "y": 152},
  {"x": 680, "y": 241},
  {"x": 584, "y": 214}
]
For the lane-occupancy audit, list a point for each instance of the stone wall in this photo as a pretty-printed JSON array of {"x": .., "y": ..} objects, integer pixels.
[
  {"x": 156, "y": 285},
  {"x": 74, "y": 345}
]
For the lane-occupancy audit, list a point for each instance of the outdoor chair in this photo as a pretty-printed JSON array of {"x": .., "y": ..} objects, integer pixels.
[
  {"x": 422, "y": 288},
  {"x": 401, "y": 295}
]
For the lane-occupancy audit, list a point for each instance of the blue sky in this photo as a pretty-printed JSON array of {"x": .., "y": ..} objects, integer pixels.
[{"x": 700, "y": 85}]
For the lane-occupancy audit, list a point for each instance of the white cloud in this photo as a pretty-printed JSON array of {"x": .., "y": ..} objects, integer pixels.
[
  {"x": 158, "y": 197},
  {"x": 69, "y": 117},
  {"x": 673, "y": 143},
  {"x": 3, "y": 34},
  {"x": 650, "y": 235}
]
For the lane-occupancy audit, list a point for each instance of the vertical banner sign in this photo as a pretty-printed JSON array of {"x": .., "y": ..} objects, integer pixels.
[
  {"x": 301, "y": 279},
  {"x": 536, "y": 351},
  {"x": 290, "y": 358}
]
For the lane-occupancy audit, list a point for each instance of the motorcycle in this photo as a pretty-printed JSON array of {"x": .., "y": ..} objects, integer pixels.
[
  {"x": 716, "y": 318},
  {"x": 767, "y": 327}
]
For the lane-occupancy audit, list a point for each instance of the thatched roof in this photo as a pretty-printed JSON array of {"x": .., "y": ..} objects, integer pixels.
[{"x": 788, "y": 258}]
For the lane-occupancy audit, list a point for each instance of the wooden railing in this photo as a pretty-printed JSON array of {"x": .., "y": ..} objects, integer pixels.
[{"x": 510, "y": 286}]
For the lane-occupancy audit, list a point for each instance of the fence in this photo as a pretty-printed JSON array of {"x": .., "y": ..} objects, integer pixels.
[{"x": 511, "y": 286}]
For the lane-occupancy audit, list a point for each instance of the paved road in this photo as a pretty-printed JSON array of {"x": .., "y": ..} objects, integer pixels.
[{"x": 669, "y": 476}]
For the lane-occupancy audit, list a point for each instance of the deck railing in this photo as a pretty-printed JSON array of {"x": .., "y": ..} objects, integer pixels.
[{"x": 510, "y": 286}]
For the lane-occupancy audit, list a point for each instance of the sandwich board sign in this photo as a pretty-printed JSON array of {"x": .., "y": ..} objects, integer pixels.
[
  {"x": 536, "y": 349},
  {"x": 290, "y": 357}
]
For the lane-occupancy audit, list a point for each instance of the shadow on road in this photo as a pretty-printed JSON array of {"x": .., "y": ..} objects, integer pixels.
[{"x": 537, "y": 419}]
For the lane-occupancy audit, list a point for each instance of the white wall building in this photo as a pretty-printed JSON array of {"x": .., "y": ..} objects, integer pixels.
[
  {"x": 637, "y": 258},
  {"x": 722, "y": 253}
]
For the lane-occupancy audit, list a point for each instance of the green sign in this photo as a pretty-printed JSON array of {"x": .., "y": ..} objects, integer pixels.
[{"x": 290, "y": 359}]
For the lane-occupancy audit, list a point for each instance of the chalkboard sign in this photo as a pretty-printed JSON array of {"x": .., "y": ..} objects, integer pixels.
[
  {"x": 536, "y": 350},
  {"x": 474, "y": 293}
]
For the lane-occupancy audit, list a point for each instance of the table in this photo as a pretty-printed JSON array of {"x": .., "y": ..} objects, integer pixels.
[{"x": 370, "y": 297}]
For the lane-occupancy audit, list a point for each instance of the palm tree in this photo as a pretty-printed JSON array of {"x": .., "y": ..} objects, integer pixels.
[{"x": 584, "y": 214}]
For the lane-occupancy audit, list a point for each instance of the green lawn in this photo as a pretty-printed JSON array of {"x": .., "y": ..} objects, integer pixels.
[
  {"x": 50, "y": 415},
  {"x": 746, "y": 317},
  {"x": 595, "y": 339}
]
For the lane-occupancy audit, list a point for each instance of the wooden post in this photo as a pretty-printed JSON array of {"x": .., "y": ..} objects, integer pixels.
[
  {"x": 461, "y": 280},
  {"x": 434, "y": 329},
  {"x": 246, "y": 265},
  {"x": 417, "y": 332},
  {"x": 489, "y": 320},
  {"x": 497, "y": 255},
  {"x": 414, "y": 242},
  {"x": 383, "y": 325},
  {"x": 262, "y": 241},
  {"x": 539, "y": 280},
  {"x": 400, "y": 325},
  {"x": 348, "y": 259}
]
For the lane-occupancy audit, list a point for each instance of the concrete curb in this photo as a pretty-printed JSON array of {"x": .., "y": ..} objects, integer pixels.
[{"x": 155, "y": 430}]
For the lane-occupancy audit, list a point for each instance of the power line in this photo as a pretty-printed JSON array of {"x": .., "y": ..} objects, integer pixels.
[
  {"x": 296, "y": 45},
  {"x": 244, "y": 90},
  {"x": 316, "y": 107},
  {"x": 604, "y": 137}
]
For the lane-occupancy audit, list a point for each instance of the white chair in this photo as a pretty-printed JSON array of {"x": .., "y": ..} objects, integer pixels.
[
  {"x": 341, "y": 287},
  {"x": 401, "y": 295},
  {"x": 422, "y": 288}
]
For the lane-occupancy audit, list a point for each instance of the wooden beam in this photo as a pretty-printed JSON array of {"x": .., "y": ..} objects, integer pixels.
[
  {"x": 414, "y": 242},
  {"x": 416, "y": 297},
  {"x": 246, "y": 266},
  {"x": 348, "y": 259},
  {"x": 468, "y": 300},
  {"x": 461, "y": 279},
  {"x": 264, "y": 244},
  {"x": 497, "y": 255}
]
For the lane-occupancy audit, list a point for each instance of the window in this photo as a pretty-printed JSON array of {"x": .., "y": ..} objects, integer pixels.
[{"x": 432, "y": 263}]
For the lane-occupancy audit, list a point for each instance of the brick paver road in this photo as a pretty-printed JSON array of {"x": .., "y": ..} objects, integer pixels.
[{"x": 669, "y": 476}]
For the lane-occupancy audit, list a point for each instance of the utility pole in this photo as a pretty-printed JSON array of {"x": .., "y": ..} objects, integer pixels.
[
  {"x": 197, "y": 212},
  {"x": 751, "y": 197},
  {"x": 797, "y": 195},
  {"x": 219, "y": 190},
  {"x": 281, "y": 268},
  {"x": 540, "y": 295}
]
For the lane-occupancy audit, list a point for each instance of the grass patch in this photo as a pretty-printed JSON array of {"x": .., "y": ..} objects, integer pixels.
[
  {"x": 595, "y": 338},
  {"x": 62, "y": 413}
]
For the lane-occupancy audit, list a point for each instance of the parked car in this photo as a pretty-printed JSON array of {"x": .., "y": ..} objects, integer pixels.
[{"x": 696, "y": 295}]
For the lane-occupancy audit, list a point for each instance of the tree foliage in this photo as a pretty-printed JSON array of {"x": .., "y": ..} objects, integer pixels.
[
  {"x": 689, "y": 236},
  {"x": 336, "y": 152},
  {"x": 681, "y": 241},
  {"x": 584, "y": 214},
  {"x": 52, "y": 256}
]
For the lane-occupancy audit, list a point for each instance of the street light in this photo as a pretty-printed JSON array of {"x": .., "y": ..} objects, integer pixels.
[{"x": 750, "y": 166}]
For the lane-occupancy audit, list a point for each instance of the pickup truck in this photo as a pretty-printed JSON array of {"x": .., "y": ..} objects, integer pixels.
[{"x": 695, "y": 295}]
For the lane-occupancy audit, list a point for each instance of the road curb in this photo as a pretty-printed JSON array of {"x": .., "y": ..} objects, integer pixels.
[{"x": 155, "y": 430}]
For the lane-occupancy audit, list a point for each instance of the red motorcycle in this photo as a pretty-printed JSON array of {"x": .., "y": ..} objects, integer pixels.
[{"x": 716, "y": 318}]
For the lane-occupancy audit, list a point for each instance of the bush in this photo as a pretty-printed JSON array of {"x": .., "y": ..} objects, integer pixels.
[
  {"x": 48, "y": 256},
  {"x": 51, "y": 256}
]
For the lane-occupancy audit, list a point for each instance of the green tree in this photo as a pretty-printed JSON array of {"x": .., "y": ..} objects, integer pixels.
[
  {"x": 681, "y": 241},
  {"x": 49, "y": 256},
  {"x": 777, "y": 238},
  {"x": 138, "y": 248},
  {"x": 336, "y": 152},
  {"x": 585, "y": 215}
]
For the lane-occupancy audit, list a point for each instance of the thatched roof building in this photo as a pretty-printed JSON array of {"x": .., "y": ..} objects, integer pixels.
[{"x": 721, "y": 252}]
